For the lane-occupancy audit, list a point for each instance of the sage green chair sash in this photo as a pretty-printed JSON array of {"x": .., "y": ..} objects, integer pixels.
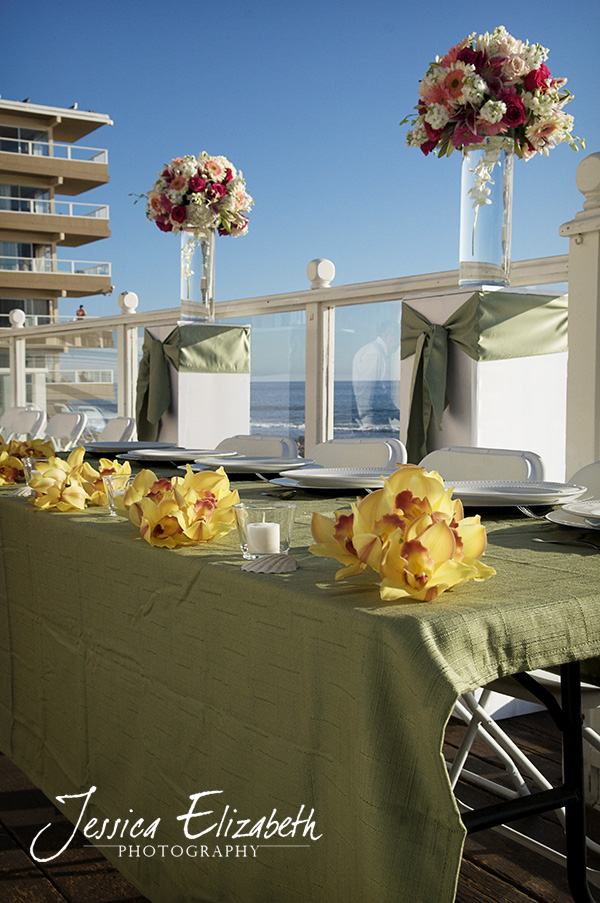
[
  {"x": 489, "y": 326},
  {"x": 205, "y": 348}
]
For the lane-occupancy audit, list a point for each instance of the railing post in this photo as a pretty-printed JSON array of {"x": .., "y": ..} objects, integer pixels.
[
  {"x": 16, "y": 360},
  {"x": 127, "y": 362},
  {"x": 319, "y": 360},
  {"x": 583, "y": 374}
]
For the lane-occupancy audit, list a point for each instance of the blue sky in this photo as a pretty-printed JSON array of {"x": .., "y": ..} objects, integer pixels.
[{"x": 306, "y": 99}]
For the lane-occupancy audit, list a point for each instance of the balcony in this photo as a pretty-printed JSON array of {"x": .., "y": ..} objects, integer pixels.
[
  {"x": 42, "y": 277},
  {"x": 52, "y": 222},
  {"x": 70, "y": 169}
]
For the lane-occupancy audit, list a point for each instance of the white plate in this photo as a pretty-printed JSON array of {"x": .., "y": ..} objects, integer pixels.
[
  {"x": 177, "y": 454},
  {"x": 499, "y": 492},
  {"x": 114, "y": 448},
  {"x": 291, "y": 483},
  {"x": 246, "y": 464},
  {"x": 587, "y": 508},
  {"x": 566, "y": 519},
  {"x": 340, "y": 477}
]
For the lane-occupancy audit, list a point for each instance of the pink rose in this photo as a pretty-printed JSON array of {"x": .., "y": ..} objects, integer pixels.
[
  {"x": 428, "y": 146},
  {"x": 167, "y": 205},
  {"x": 179, "y": 214},
  {"x": 166, "y": 175},
  {"x": 163, "y": 224},
  {"x": 197, "y": 183},
  {"x": 536, "y": 78},
  {"x": 228, "y": 175},
  {"x": 515, "y": 110},
  {"x": 216, "y": 191}
]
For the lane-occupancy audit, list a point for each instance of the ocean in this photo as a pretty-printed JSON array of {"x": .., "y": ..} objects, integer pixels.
[{"x": 278, "y": 408}]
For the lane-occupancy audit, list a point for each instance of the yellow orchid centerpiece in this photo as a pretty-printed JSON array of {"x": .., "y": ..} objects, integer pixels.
[
  {"x": 73, "y": 484},
  {"x": 12, "y": 454},
  {"x": 182, "y": 511},
  {"x": 411, "y": 532},
  {"x": 59, "y": 484}
]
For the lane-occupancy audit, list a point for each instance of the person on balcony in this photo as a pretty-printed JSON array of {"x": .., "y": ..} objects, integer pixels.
[{"x": 81, "y": 313}]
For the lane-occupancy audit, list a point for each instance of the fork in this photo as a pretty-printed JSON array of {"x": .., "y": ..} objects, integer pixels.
[{"x": 529, "y": 513}]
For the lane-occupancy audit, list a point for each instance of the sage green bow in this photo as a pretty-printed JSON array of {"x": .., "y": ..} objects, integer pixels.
[
  {"x": 205, "y": 348},
  {"x": 489, "y": 326}
]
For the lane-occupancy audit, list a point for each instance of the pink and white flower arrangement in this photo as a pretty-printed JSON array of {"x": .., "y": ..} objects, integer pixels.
[
  {"x": 200, "y": 194},
  {"x": 491, "y": 85}
]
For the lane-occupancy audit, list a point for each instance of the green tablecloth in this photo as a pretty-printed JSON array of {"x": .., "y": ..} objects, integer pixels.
[{"x": 154, "y": 675}]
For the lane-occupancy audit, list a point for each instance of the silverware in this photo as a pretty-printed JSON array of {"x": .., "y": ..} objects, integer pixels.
[
  {"x": 567, "y": 542},
  {"x": 529, "y": 513}
]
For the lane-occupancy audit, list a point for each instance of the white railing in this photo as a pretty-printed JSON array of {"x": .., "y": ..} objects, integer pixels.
[
  {"x": 54, "y": 149},
  {"x": 50, "y": 207},
  {"x": 52, "y": 265},
  {"x": 317, "y": 305}
]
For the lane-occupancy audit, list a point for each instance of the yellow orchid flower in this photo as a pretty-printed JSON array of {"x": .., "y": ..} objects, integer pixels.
[
  {"x": 11, "y": 468},
  {"x": 55, "y": 488},
  {"x": 182, "y": 511},
  {"x": 411, "y": 533}
]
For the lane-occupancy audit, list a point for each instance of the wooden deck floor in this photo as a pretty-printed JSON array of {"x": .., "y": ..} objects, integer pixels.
[{"x": 494, "y": 869}]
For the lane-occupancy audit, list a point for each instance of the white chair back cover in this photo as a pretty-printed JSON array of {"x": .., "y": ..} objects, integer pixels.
[
  {"x": 65, "y": 429},
  {"x": 118, "y": 429},
  {"x": 588, "y": 476},
  {"x": 22, "y": 423},
  {"x": 364, "y": 452},
  {"x": 261, "y": 446},
  {"x": 463, "y": 463}
]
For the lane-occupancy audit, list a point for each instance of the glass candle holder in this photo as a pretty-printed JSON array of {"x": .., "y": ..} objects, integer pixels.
[
  {"x": 115, "y": 486},
  {"x": 264, "y": 529}
]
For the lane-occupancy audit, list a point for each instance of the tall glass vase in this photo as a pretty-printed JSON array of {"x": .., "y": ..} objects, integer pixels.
[
  {"x": 486, "y": 213},
  {"x": 198, "y": 276}
]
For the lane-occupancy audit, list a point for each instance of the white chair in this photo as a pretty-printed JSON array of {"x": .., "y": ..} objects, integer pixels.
[
  {"x": 463, "y": 463},
  {"x": 118, "y": 429},
  {"x": 365, "y": 452},
  {"x": 65, "y": 429},
  {"x": 22, "y": 423},
  {"x": 588, "y": 476},
  {"x": 261, "y": 446}
]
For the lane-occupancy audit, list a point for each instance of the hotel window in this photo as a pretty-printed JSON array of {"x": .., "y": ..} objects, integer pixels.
[
  {"x": 24, "y": 199},
  {"x": 15, "y": 255},
  {"x": 17, "y": 140}
]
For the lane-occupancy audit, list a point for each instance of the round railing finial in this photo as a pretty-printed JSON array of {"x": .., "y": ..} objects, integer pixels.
[
  {"x": 128, "y": 302},
  {"x": 320, "y": 272},
  {"x": 17, "y": 318},
  {"x": 587, "y": 178}
]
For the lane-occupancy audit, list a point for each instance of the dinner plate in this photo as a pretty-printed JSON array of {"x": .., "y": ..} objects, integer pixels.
[
  {"x": 340, "y": 477},
  {"x": 566, "y": 519},
  {"x": 524, "y": 492},
  {"x": 291, "y": 483},
  {"x": 586, "y": 508},
  {"x": 177, "y": 454},
  {"x": 247, "y": 464},
  {"x": 114, "y": 448}
]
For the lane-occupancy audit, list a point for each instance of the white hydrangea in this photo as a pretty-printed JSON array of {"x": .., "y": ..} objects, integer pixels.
[
  {"x": 534, "y": 55},
  {"x": 437, "y": 116},
  {"x": 474, "y": 89},
  {"x": 417, "y": 136},
  {"x": 431, "y": 79},
  {"x": 493, "y": 111}
]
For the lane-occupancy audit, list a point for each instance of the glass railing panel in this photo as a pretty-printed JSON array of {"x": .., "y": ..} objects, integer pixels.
[
  {"x": 277, "y": 374},
  {"x": 367, "y": 370},
  {"x": 75, "y": 371}
]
